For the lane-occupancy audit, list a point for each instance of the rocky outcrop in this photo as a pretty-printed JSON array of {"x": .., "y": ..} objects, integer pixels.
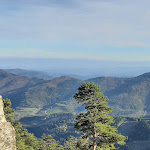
[{"x": 7, "y": 132}]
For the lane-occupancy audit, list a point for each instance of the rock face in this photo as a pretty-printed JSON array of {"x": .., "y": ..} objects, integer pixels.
[{"x": 7, "y": 132}]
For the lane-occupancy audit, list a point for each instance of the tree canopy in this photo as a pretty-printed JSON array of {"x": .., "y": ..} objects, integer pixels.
[
  {"x": 25, "y": 140},
  {"x": 95, "y": 123},
  {"x": 8, "y": 111}
]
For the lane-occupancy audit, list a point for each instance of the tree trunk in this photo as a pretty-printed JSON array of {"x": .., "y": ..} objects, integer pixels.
[{"x": 94, "y": 141}]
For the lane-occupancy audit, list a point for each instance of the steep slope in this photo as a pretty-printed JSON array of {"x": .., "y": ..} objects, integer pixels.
[
  {"x": 12, "y": 86},
  {"x": 30, "y": 73},
  {"x": 32, "y": 92},
  {"x": 129, "y": 96},
  {"x": 138, "y": 132},
  {"x": 9, "y": 82},
  {"x": 51, "y": 92},
  {"x": 60, "y": 126}
]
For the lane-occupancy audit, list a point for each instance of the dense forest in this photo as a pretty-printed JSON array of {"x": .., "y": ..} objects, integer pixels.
[
  {"x": 52, "y": 110},
  {"x": 129, "y": 96},
  {"x": 136, "y": 129},
  {"x": 96, "y": 132}
]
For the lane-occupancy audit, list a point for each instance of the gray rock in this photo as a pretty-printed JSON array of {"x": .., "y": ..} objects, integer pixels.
[{"x": 7, "y": 132}]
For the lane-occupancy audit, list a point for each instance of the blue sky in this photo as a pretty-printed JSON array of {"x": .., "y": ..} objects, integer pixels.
[{"x": 115, "y": 30}]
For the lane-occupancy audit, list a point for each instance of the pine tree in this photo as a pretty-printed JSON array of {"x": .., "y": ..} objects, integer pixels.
[
  {"x": 95, "y": 123},
  {"x": 8, "y": 111},
  {"x": 48, "y": 143},
  {"x": 25, "y": 140},
  {"x": 70, "y": 143}
]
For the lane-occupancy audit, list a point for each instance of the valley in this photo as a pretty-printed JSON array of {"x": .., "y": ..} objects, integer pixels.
[{"x": 47, "y": 106}]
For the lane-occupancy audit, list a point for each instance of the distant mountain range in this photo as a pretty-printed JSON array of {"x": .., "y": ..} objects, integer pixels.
[
  {"x": 30, "y": 73},
  {"x": 81, "y": 67},
  {"x": 128, "y": 96}
]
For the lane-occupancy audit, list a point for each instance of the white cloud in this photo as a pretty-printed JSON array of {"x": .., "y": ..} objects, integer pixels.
[{"x": 116, "y": 22}]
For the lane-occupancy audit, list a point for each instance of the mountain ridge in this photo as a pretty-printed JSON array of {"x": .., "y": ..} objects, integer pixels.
[
  {"x": 128, "y": 93},
  {"x": 30, "y": 73},
  {"x": 128, "y": 96},
  {"x": 31, "y": 92}
]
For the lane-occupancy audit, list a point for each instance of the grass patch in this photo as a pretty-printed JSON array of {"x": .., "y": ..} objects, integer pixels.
[
  {"x": 22, "y": 112},
  {"x": 54, "y": 110}
]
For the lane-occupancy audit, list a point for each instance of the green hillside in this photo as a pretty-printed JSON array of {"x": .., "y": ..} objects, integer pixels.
[
  {"x": 14, "y": 87},
  {"x": 10, "y": 82},
  {"x": 128, "y": 96},
  {"x": 47, "y": 106},
  {"x": 137, "y": 131},
  {"x": 36, "y": 93},
  {"x": 55, "y": 91},
  {"x": 60, "y": 125}
]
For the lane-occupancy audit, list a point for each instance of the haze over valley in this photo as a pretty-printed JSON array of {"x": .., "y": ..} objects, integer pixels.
[{"x": 79, "y": 68}]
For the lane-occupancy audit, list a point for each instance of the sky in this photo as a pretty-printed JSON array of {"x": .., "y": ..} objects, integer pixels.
[{"x": 107, "y": 30}]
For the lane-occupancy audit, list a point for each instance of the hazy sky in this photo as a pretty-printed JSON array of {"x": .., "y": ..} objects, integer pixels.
[{"x": 91, "y": 29}]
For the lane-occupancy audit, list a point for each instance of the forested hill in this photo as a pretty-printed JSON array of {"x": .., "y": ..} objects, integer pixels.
[
  {"x": 129, "y": 96},
  {"x": 10, "y": 82},
  {"x": 32, "y": 92},
  {"x": 13, "y": 86},
  {"x": 55, "y": 91}
]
